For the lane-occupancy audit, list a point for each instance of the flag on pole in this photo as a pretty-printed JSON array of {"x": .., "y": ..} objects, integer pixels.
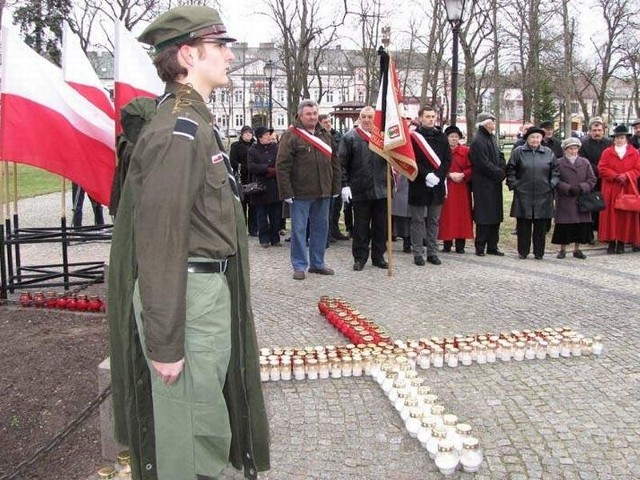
[
  {"x": 135, "y": 74},
  {"x": 46, "y": 123},
  {"x": 79, "y": 73},
  {"x": 390, "y": 133}
]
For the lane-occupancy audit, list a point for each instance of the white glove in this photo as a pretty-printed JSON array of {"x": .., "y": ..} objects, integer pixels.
[
  {"x": 432, "y": 179},
  {"x": 288, "y": 200},
  {"x": 346, "y": 194}
]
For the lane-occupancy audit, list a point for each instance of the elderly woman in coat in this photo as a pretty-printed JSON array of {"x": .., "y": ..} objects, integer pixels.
[
  {"x": 576, "y": 176},
  {"x": 532, "y": 174}
]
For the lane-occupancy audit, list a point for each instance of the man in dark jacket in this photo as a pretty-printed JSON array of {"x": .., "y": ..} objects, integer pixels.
[
  {"x": 238, "y": 158},
  {"x": 635, "y": 139},
  {"x": 336, "y": 203},
  {"x": 364, "y": 185},
  {"x": 549, "y": 140},
  {"x": 592, "y": 147},
  {"x": 309, "y": 174},
  {"x": 427, "y": 191},
  {"x": 486, "y": 184}
]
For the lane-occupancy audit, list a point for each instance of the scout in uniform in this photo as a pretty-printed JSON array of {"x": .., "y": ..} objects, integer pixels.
[{"x": 187, "y": 281}]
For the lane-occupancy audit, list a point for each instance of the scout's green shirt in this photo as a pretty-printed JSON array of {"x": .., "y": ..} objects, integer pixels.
[{"x": 184, "y": 207}]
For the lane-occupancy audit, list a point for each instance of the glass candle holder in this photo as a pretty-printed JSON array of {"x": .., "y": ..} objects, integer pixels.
[
  {"x": 323, "y": 368},
  {"x": 541, "y": 352},
  {"x": 519, "y": 351},
  {"x": 452, "y": 360},
  {"x": 274, "y": 370},
  {"x": 424, "y": 359},
  {"x": 298, "y": 369},
  {"x": 531, "y": 349},
  {"x": 336, "y": 368},
  {"x": 409, "y": 404},
  {"x": 554, "y": 348},
  {"x": 347, "y": 366},
  {"x": 463, "y": 430},
  {"x": 505, "y": 352},
  {"x": 587, "y": 346},
  {"x": 465, "y": 355},
  {"x": 123, "y": 465},
  {"x": 491, "y": 353},
  {"x": 597, "y": 345},
  {"x": 285, "y": 368},
  {"x": 471, "y": 455},
  {"x": 437, "y": 434},
  {"x": 576, "y": 347},
  {"x": 447, "y": 458},
  {"x": 449, "y": 421},
  {"x": 565, "y": 347},
  {"x": 106, "y": 473},
  {"x": 437, "y": 411},
  {"x": 428, "y": 401},
  {"x": 264, "y": 370},
  {"x": 437, "y": 357},
  {"x": 357, "y": 366},
  {"x": 427, "y": 423},
  {"x": 413, "y": 422},
  {"x": 481, "y": 354},
  {"x": 312, "y": 369},
  {"x": 388, "y": 381},
  {"x": 399, "y": 403},
  {"x": 393, "y": 393}
]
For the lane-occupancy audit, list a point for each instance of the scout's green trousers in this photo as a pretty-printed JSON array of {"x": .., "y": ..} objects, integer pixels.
[{"x": 192, "y": 429}]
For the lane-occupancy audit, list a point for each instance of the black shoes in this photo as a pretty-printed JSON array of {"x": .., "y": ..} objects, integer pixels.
[
  {"x": 538, "y": 257},
  {"x": 419, "y": 261},
  {"x": 495, "y": 252},
  {"x": 434, "y": 260},
  {"x": 382, "y": 263},
  {"x": 358, "y": 266},
  {"x": 579, "y": 254},
  {"x": 522, "y": 257},
  {"x": 561, "y": 254},
  {"x": 480, "y": 253},
  {"x": 460, "y": 250}
]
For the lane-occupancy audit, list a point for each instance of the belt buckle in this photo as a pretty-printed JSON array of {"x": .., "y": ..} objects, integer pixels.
[{"x": 223, "y": 265}]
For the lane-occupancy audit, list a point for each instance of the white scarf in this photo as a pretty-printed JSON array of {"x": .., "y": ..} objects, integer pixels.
[{"x": 621, "y": 150}]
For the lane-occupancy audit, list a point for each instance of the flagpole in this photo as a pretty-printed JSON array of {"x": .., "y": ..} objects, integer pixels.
[
  {"x": 63, "y": 199},
  {"x": 7, "y": 204},
  {"x": 15, "y": 188},
  {"x": 389, "y": 232}
]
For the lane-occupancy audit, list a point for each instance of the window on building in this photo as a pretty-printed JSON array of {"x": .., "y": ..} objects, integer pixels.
[
  {"x": 239, "y": 120},
  {"x": 330, "y": 96},
  {"x": 281, "y": 95},
  {"x": 237, "y": 96},
  {"x": 223, "y": 96},
  {"x": 361, "y": 96},
  {"x": 281, "y": 121},
  {"x": 575, "y": 108},
  {"x": 224, "y": 120}
]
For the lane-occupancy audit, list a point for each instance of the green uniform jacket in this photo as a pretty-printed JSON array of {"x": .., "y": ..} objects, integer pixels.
[{"x": 130, "y": 376}]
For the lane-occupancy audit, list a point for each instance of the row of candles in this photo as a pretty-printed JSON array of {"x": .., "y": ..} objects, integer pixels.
[
  {"x": 449, "y": 443},
  {"x": 63, "y": 301}
]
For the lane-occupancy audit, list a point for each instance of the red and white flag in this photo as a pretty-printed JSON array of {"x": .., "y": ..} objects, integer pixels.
[
  {"x": 390, "y": 133},
  {"x": 135, "y": 74},
  {"x": 79, "y": 73},
  {"x": 46, "y": 123}
]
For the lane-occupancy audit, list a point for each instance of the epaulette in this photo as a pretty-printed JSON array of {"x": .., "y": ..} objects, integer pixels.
[{"x": 186, "y": 127}]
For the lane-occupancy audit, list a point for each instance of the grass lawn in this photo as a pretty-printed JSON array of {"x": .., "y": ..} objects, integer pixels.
[{"x": 32, "y": 181}]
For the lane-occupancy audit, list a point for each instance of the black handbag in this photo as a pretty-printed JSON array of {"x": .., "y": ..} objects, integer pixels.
[
  {"x": 590, "y": 202},
  {"x": 253, "y": 187}
]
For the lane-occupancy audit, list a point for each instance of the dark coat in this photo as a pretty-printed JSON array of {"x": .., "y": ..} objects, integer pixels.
[
  {"x": 635, "y": 141},
  {"x": 486, "y": 181},
  {"x": 303, "y": 171},
  {"x": 262, "y": 168},
  {"x": 364, "y": 171},
  {"x": 578, "y": 173},
  {"x": 419, "y": 193},
  {"x": 555, "y": 145},
  {"x": 592, "y": 150},
  {"x": 238, "y": 158},
  {"x": 532, "y": 175}
]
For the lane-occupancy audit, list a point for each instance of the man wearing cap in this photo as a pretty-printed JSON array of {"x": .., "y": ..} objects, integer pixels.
[
  {"x": 179, "y": 255},
  {"x": 592, "y": 147},
  {"x": 238, "y": 157},
  {"x": 549, "y": 140},
  {"x": 488, "y": 166},
  {"x": 364, "y": 185},
  {"x": 635, "y": 138}
]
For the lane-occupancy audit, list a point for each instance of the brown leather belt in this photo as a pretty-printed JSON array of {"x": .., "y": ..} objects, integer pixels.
[{"x": 214, "y": 266}]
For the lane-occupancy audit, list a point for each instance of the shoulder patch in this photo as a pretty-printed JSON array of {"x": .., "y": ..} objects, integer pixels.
[{"x": 186, "y": 127}]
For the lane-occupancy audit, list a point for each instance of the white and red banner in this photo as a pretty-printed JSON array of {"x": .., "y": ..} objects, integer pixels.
[
  {"x": 312, "y": 140},
  {"x": 79, "y": 73},
  {"x": 48, "y": 124},
  {"x": 390, "y": 132},
  {"x": 135, "y": 75}
]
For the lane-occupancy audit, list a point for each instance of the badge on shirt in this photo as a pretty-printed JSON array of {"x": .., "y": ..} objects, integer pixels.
[
  {"x": 185, "y": 127},
  {"x": 217, "y": 158}
]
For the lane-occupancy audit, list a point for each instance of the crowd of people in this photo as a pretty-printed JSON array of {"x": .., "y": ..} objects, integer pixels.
[{"x": 318, "y": 172}]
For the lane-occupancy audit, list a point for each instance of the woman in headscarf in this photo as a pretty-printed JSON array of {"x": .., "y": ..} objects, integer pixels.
[
  {"x": 576, "y": 176},
  {"x": 619, "y": 166}
]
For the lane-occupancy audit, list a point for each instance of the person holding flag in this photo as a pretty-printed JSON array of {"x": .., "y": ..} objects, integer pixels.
[
  {"x": 428, "y": 190},
  {"x": 364, "y": 180}
]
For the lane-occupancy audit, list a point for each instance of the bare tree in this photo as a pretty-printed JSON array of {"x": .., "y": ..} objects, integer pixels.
[{"x": 301, "y": 29}]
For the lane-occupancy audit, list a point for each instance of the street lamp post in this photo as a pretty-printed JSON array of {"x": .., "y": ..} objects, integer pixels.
[
  {"x": 269, "y": 72},
  {"x": 455, "y": 9}
]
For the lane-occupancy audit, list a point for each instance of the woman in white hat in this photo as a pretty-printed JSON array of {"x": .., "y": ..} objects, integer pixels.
[{"x": 576, "y": 176}]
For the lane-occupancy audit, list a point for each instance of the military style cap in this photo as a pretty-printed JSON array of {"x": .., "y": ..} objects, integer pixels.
[
  {"x": 636, "y": 122},
  {"x": 183, "y": 24}
]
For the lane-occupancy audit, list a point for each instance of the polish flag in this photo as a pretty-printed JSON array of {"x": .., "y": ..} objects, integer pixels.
[
  {"x": 135, "y": 74},
  {"x": 79, "y": 73},
  {"x": 46, "y": 123}
]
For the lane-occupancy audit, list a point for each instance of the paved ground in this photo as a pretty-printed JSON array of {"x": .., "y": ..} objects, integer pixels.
[{"x": 576, "y": 418}]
